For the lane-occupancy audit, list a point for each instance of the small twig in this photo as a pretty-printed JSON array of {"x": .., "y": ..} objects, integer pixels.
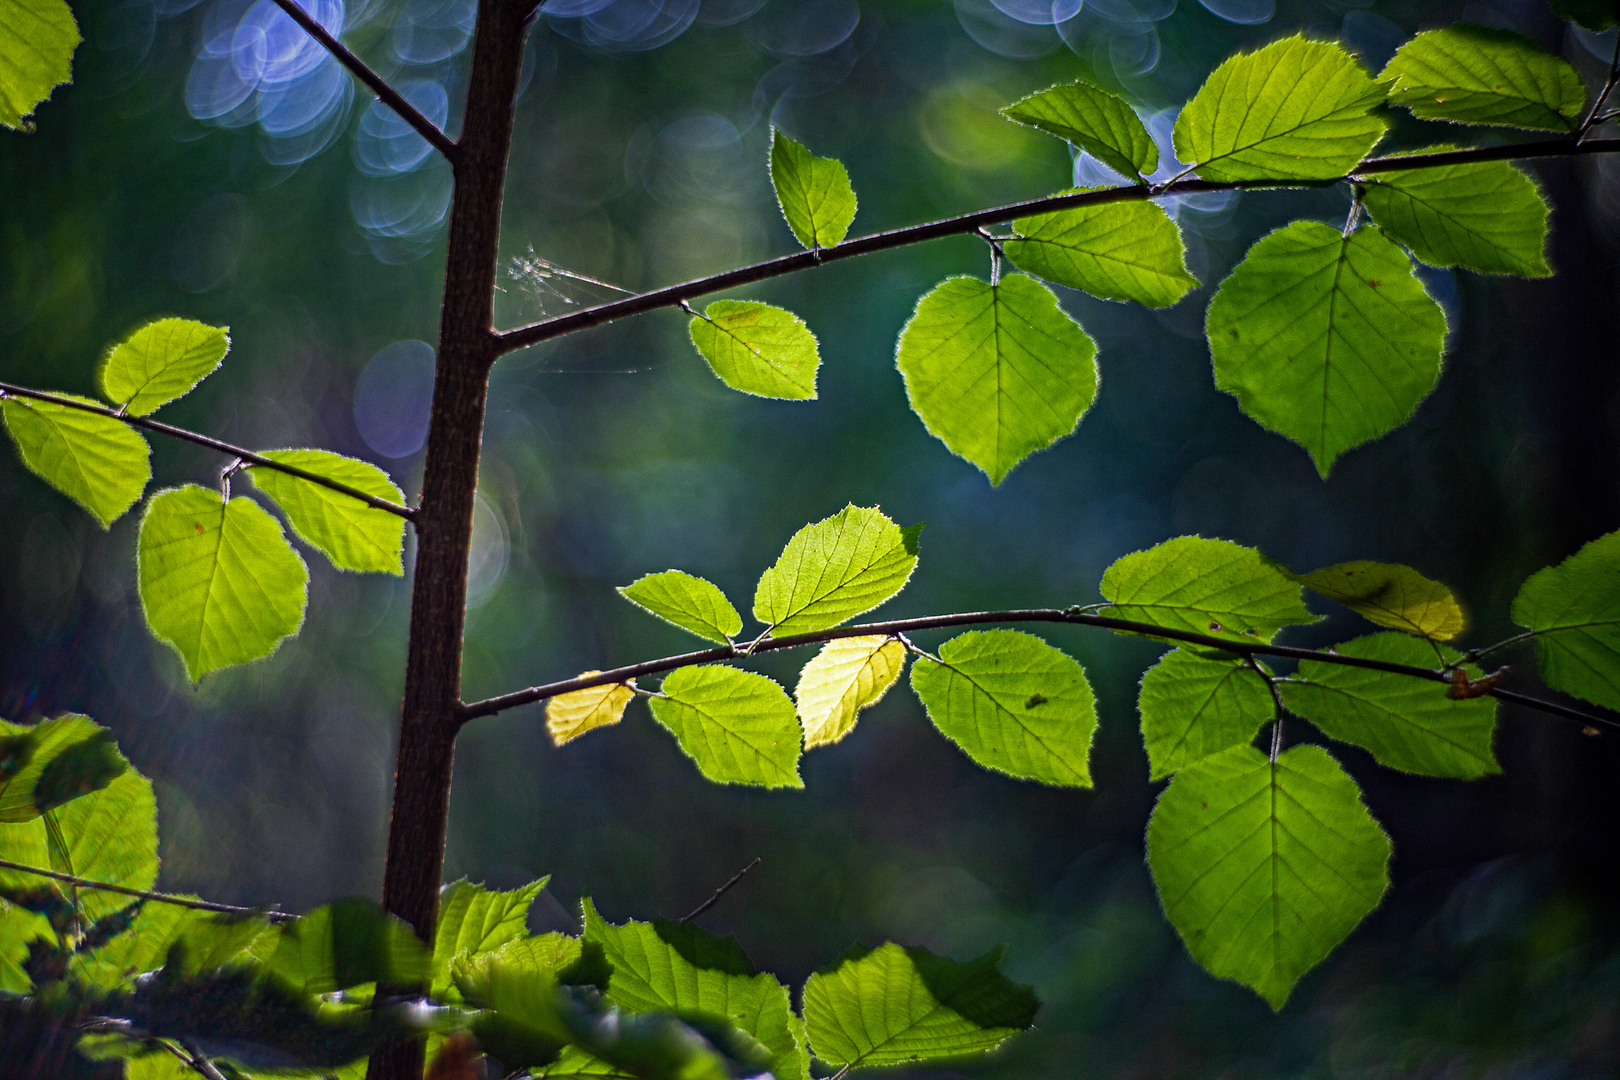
[
  {"x": 201, "y": 1062},
  {"x": 721, "y": 891},
  {"x": 145, "y": 894},
  {"x": 1593, "y": 117}
]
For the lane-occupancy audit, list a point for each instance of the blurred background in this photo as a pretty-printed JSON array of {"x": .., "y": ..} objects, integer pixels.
[{"x": 210, "y": 162}]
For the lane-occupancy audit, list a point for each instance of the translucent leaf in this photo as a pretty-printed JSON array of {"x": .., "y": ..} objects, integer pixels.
[
  {"x": 545, "y": 956},
  {"x": 1118, "y": 251},
  {"x": 1487, "y": 217},
  {"x": 1205, "y": 586},
  {"x": 737, "y": 726},
  {"x": 813, "y": 192},
  {"x": 568, "y": 716},
  {"x": 574, "y": 1062},
  {"x": 689, "y": 602},
  {"x": 1013, "y": 703},
  {"x": 1406, "y": 723},
  {"x": 347, "y": 943},
  {"x": 1475, "y": 75},
  {"x": 1391, "y": 595},
  {"x": 27, "y": 757},
  {"x": 218, "y": 580},
  {"x": 18, "y": 927},
  {"x": 347, "y": 531},
  {"x": 161, "y": 361},
  {"x": 996, "y": 372},
  {"x": 835, "y": 569},
  {"x": 892, "y": 1005},
  {"x": 1194, "y": 706},
  {"x": 37, "y": 39},
  {"x": 98, "y": 462},
  {"x": 665, "y": 965},
  {"x": 758, "y": 349},
  {"x": 1264, "y": 867},
  {"x": 142, "y": 948},
  {"x": 1102, "y": 124},
  {"x": 846, "y": 676},
  {"x": 1574, "y": 608},
  {"x": 475, "y": 920},
  {"x": 1294, "y": 110},
  {"x": 1327, "y": 339}
]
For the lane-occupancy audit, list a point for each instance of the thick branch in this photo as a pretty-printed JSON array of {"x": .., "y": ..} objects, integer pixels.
[
  {"x": 973, "y": 618},
  {"x": 247, "y": 457},
  {"x": 672, "y": 296},
  {"x": 385, "y": 93},
  {"x": 145, "y": 894}
]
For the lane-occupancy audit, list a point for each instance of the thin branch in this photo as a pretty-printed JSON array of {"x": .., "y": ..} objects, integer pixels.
[
  {"x": 144, "y": 894},
  {"x": 385, "y": 93},
  {"x": 721, "y": 891},
  {"x": 671, "y": 296},
  {"x": 1592, "y": 117},
  {"x": 1071, "y": 616},
  {"x": 245, "y": 457},
  {"x": 200, "y": 1062}
]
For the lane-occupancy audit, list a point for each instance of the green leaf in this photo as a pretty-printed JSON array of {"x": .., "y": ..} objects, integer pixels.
[
  {"x": 1102, "y": 124},
  {"x": 1013, "y": 703},
  {"x": 1194, "y": 706},
  {"x": 674, "y": 966},
  {"x": 140, "y": 949},
  {"x": 347, "y": 943},
  {"x": 846, "y": 676},
  {"x": 813, "y": 192},
  {"x": 218, "y": 580},
  {"x": 758, "y": 349},
  {"x": 1391, "y": 595},
  {"x": 40, "y": 766},
  {"x": 1327, "y": 339},
  {"x": 37, "y": 39},
  {"x": 737, "y": 726},
  {"x": 542, "y": 958},
  {"x": 996, "y": 372},
  {"x": 98, "y": 462},
  {"x": 892, "y": 1005},
  {"x": 568, "y": 716},
  {"x": 1294, "y": 110},
  {"x": 347, "y": 531},
  {"x": 1487, "y": 217},
  {"x": 18, "y": 927},
  {"x": 474, "y": 920},
  {"x": 1207, "y": 587},
  {"x": 1405, "y": 722},
  {"x": 1118, "y": 251},
  {"x": 1592, "y": 14},
  {"x": 161, "y": 361},
  {"x": 1574, "y": 609},
  {"x": 1264, "y": 867},
  {"x": 835, "y": 569},
  {"x": 1475, "y": 75},
  {"x": 691, "y": 603}
]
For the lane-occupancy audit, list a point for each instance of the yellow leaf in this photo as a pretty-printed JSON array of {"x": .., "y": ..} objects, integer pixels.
[
  {"x": 846, "y": 676},
  {"x": 1391, "y": 595},
  {"x": 568, "y": 716}
]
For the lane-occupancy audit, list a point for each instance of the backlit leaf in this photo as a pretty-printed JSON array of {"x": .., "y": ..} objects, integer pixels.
[
  {"x": 1324, "y": 338},
  {"x": 218, "y": 580},
  {"x": 346, "y": 943},
  {"x": 1264, "y": 867},
  {"x": 568, "y": 716},
  {"x": 892, "y": 1005},
  {"x": 27, "y": 755},
  {"x": 1118, "y": 251},
  {"x": 347, "y": 531},
  {"x": 1210, "y": 587},
  {"x": 1391, "y": 595},
  {"x": 687, "y": 601},
  {"x": 1013, "y": 703},
  {"x": 1194, "y": 706},
  {"x": 737, "y": 726},
  {"x": 1488, "y": 217},
  {"x": 144, "y": 947},
  {"x": 1294, "y": 110},
  {"x": 835, "y": 569},
  {"x": 1102, "y": 124},
  {"x": 1407, "y": 723},
  {"x": 996, "y": 372},
  {"x": 758, "y": 349},
  {"x": 161, "y": 361},
  {"x": 475, "y": 920},
  {"x": 813, "y": 192},
  {"x": 18, "y": 927},
  {"x": 98, "y": 462},
  {"x": 846, "y": 676},
  {"x": 1574, "y": 608},
  {"x": 37, "y": 39},
  {"x": 1478, "y": 75}
]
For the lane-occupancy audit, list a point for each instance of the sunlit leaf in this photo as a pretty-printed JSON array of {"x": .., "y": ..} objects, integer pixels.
[
  {"x": 475, "y": 920},
  {"x": 813, "y": 192},
  {"x": 37, "y": 39},
  {"x": 1391, "y": 595},
  {"x": 353, "y": 535},
  {"x": 144, "y": 947},
  {"x": 1478, "y": 75},
  {"x": 846, "y": 676},
  {"x": 1324, "y": 338},
  {"x": 161, "y": 361},
  {"x": 1574, "y": 608},
  {"x": 1211, "y": 587},
  {"x": 1118, "y": 251},
  {"x": 689, "y": 602},
  {"x": 835, "y": 569},
  {"x": 32, "y": 759},
  {"x": 1488, "y": 217},
  {"x": 996, "y": 372},
  {"x": 1194, "y": 706},
  {"x": 1296, "y": 109},
  {"x": 98, "y": 462},
  {"x": 1013, "y": 703},
  {"x": 568, "y": 716},
  {"x": 1102, "y": 124},
  {"x": 18, "y": 927},
  {"x": 737, "y": 726},
  {"x": 758, "y": 349},
  {"x": 218, "y": 580},
  {"x": 1264, "y": 867},
  {"x": 346, "y": 943}
]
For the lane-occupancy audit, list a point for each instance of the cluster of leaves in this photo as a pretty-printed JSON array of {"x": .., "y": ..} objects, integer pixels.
[{"x": 98, "y": 986}]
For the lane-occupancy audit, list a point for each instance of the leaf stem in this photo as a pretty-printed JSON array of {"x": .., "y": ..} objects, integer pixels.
[{"x": 145, "y": 894}]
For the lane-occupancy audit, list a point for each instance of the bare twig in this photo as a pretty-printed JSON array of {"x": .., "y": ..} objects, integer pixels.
[
  {"x": 1594, "y": 116},
  {"x": 145, "y": 894},
  {"x": 201, "y": 1063},
  {"x": 718, "y": 893}
]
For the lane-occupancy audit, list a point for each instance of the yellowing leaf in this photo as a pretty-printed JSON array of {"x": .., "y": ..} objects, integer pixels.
[
  {"x": 846, "y": 676},
  {"x": 1391, "y": 595},
  {"x": 568, "y": 716}
]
